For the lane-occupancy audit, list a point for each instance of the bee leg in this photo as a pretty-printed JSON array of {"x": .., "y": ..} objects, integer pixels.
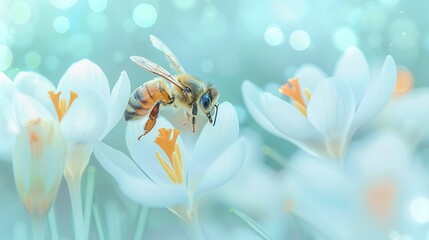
[
  {"x": 152, "y": 120},
  {"x": 188, "y": 117},
  {"x": 194, "y": 114}
]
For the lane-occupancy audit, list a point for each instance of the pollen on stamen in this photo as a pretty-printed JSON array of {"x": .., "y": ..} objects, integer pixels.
[
  {"x": 60, "y": 105},
  {"x": 292, "y": 90},
  {"x": 173, "y": 169}
]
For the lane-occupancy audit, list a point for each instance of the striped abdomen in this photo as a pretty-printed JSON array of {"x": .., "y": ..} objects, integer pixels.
[{"x": 144, "y": 98}]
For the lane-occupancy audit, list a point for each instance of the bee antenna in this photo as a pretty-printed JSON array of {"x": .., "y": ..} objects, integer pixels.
[{"x": 217, "y": 108}]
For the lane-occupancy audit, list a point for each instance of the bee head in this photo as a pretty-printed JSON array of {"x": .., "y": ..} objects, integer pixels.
[{"x": 209, "y": 101}]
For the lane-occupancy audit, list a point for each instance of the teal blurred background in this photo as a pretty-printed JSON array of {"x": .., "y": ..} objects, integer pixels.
[{"x": 221, "y": 41}]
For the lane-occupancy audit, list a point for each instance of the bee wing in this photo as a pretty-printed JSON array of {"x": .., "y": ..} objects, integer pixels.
[
  {"x": 156, "y": 69},
  {"x": 174, "y": 62}
]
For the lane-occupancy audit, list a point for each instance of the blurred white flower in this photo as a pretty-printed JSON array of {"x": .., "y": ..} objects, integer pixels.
[
  {"x": 265, "y": 205},
  {"x": 323, "y": 113},
  {"x": 38, "y": 166},
  {"x": 408, "y": 116},
  {"x": 85, "y": 109},
  {"x": 163, "y": 173},
  {"x": 376, "y": 194}
]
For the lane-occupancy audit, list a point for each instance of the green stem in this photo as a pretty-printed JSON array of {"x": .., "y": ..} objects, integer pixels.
[
  {"x": 251, "y": 223},
  {"x": 89, "y": 193},
  {"x": 76, "y": 203},
  {"x": 53, "y": 224},
  {"x": 141, "y": 223},
  {"x": 190, "y": 218},
  {"x": 193, "y": 224},
  {"x": 97, "y": 219},
  {"x": 38, "y": 228}
]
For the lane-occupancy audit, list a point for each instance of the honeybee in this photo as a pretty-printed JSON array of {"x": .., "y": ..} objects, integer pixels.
[{"x": 182, "y": 91}]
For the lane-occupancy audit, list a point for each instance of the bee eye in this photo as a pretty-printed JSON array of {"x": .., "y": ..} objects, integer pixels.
[{"x": 206, "y": 101}]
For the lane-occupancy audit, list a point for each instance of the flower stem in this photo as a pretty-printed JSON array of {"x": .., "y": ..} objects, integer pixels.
[
  {"x": 251, "y": 223},
  {"x": 53, "y": 224},
  {"x": 38, "y": 228},
  {"x": 76, "y": 203},
  {"x": 141, "y": 223},
  {"x": 98, "y": 223},
  {"x": 89, "y": 193},
  {"x": 190, "y": 218},
  {"x": 193, "y": 225}
]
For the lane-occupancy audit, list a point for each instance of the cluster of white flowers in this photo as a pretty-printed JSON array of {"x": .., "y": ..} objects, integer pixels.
[{"x": 336, "y": 186}]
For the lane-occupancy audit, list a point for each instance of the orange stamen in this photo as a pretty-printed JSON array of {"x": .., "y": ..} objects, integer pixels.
[
  {"x": 293, "y": 91},
  {"x": 60, "y": 105},
  {"x": 174, "y": 168}
]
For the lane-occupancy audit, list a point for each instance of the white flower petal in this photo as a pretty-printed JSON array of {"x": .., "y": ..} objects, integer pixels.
[
  {"x": 212, "y": 141},
  {"x": 86, "y": 119},
  {"x": 353, "y": 69},
  {"x": 331, "y": 110},
  {"x": 153, "y": 195},
  {"x": 8, "y": 128},
  {"x": 119, "y": 100},
  {"x": 6, "y": 86},
  {"x": 133, "y": 182},
  {"x": 116, "y": 162},
  {"x": 223, "y": 168},
  {"x": 85, "y": 75},
  {"x": 27, "y": 109},
  {"x": 309, "y": 77},
  {"x": 144, "y": 151},
  {"x": 39, "y": 158},
  {"x": 251, "y": 95},
  {"x": 377, "y": 95},
  {"x": 293, "y": 125},
  {"x": 35, "y": 85}
]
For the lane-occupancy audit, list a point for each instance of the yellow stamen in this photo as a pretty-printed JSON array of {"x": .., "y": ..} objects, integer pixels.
[
  {"x": 171, "y": 174},
  {"x": 60, "y": 105},
  {"x": 293, "y": 91},
  {"x": 307, "y": 94},
  {"x": 177, "y": 164},
  {"x": 174, "y": 169}
]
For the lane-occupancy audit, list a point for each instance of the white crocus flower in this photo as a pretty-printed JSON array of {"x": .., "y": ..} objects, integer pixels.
[
  {"x": 381, "y": 192},
  {"x": 87, "y": 113},
  {"x": 162, "y": 173},
  {"x": 324, "y": 113},
  {"x": 38, "y": 167}
]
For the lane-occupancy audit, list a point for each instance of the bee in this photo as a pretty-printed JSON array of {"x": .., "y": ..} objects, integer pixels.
[{"x": 182, "y": 91}]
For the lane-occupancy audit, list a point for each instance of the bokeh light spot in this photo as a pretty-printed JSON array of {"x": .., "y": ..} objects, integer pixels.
[
  {"x": 19, "y": 12},
  {"x": 63, "y": 4},
  {"x": 419, "y": 209},
  {"x": 145, "y": 15},
  {"x": 405, "y": 80},
  {"x": 299, "y": 40},
  {"x": 97, "y": 5},
  {"x": 32, "y": 59},
  {"x": 61, "y": 24},
  {"x": 184, "y": 4},
  {"x": 390, "y": 3},
  {"x": 345, "y": 38},
  {"x": 273, "y": 36},
  {"x": 6, "y": 57}
]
